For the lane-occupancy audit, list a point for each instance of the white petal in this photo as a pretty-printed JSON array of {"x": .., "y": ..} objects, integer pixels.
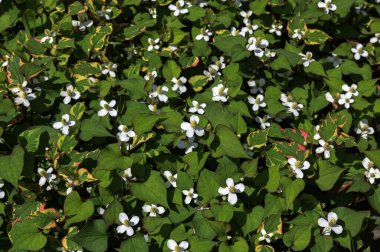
[
  {"x": 331, "y": 216},
  {"x": 102, "y": 112},
  {"x": 171, "y": 244},
  {"x": 337, "y": 229},
  {"x": 184, "y": 244},
  {"x": 230, "y": 182},
  {"x": 121, "y": 229},
  {"x": 130, "y": 231},
  {"x": 240, "y": 187},
  {"x": 134, "y": 220},
  {"x": 223, "y": 191},
  {"x": 232, "y": 198},
  {"x": 57, "y": 125},
  {"x": 123, "y": 217},
  {"x": 323, "y": 222}
]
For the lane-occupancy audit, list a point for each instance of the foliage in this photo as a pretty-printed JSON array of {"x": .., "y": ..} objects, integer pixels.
[{"x": 164, "y": 125}]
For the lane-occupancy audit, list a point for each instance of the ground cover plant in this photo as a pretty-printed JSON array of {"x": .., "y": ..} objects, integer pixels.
[{"x": 164, "y": 125}]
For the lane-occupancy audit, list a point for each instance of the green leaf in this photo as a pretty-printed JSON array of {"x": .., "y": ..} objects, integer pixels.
[
  {"x": 91, "y": 128},
  {"x": 298, "y": 237},
  {"x": 353, "y": 220},
  {"x": 207, "y": 187},
  {"x": 93, "y": 236},
  {"x": 292, "y": 190},
  {"x": 111, "y": 158},
  {"x": 328, "y": 174},
  {"x": 258, "y": 6},
  {"x": 26, "y": 236},
  {"x": 111, "y": 214},
  {"x": 227, "y": 143},
  {"x": 316, "y": 37},
  {"x": 77, "y": 210},
  {"x": 32, "y": 138},
  {"x": 152, "y": 190},
  {"x": 253, "y": 220},
  {"x": 134, "y": 244},
  {"x": 11, "y": 165},
  {"x": 374, "y": 198},
  {"x": 170, "y": 70},
  {"x": 258, "y": 139}
]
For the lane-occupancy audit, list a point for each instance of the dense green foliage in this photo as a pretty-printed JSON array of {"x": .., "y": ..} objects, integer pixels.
[{"x": 164, "y": 125}]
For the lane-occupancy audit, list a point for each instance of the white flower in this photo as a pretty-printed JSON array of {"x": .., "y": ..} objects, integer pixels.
[
  {"x": 297, "y": 166},
  {"x": 188, "y": 144},
  {"x": 159, "y": 92},
  {"x": 298, "y": 33},
  {"x": 307, "y": 58},
  {"x": 350, "y": 90},
  {"x": 325, "y": 147},
  {"x": 335, "y": 60},
  {"x": 69, "y": 185},
  {"x": 234, "y": 31},
  {"x": 327, "y": 5},
  {"x": 105, "y": 13},
  {"x": 213, "y": 70},
  {"x": 109, "y": 69},
  {"x": 276, "y": 28},
  {"x": 192, "y": 127},
  {"x": 364, "y": 130},
  {"x": 265, "y": 236},
  {"x": 2, "y": 193},
  {"x": 101, "y": 210},
  {"x": 219, "y": 62},
  {"x": 174, "y": 247},
  {"x": 127, "y": 224},
  {"x": 190, "y": 195},
  {"x": 46, "y": 176},
  {"x": 317, "y": 136},
  {"x": 24, "y": 94},
  {"x": 359, "y": 52},
  {"x": 231, "y": 190},
  {"x": 294, "y": 108},
  {"x": 82, "y": 23},
  {"x": 172, "y": 179},
  {"x": 256, "y": 86},
  {"x": 368, "y": 164},
  {"x": 153, "y": 44},
  {"x": 220, "y": 93},
  {"x": 375, "y": 39},
  {"x": 153, "y": 210},
  {"x": 257, "y": 102},
  {"x": 5, "y": 62},
  {"x": 198, "y": 108},
  {"x": 257, "y": 45},
  {"x": 329, "y": 97},
  {"x": 246, "y": 15},
  {"x": 345, "y": 100},
  {"x": 125, "y": 134},
  {"x": 205, "y": 35},
  {"x": 64, "y": 124},
  {"x": 150, "y": 75},
  {"x": 330, "y": 224},
  {"x": 285, "y": 100},
  {"x": 248, "y": 28},
  {"x": 263, "y": 121},
  {"x": 127, "y": 175},
  {"x": 372, "y": 174},
  {"x": 107, "y": 108},
  {"x": 70, "y": 93},
  {"x": 179, "y": 84},
  {"x": 178, "y": 8},
  {"x": 49, "y": 37}
]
